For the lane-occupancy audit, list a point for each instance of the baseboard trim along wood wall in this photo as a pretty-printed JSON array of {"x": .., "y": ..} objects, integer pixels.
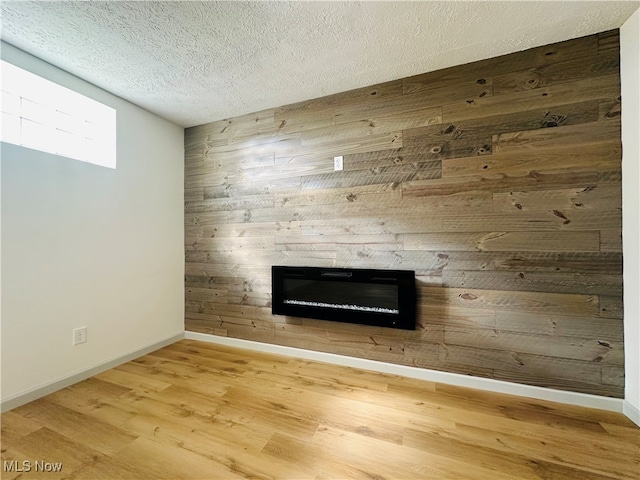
[
  {"x": 15, "y": 401},
  {"x": 498, "y": 386},
  {"x": 540, "y": 393},
  {"x": 631, "y": 412}
]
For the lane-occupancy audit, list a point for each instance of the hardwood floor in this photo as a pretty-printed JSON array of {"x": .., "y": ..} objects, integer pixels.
[{"x": 194, "y": 410}]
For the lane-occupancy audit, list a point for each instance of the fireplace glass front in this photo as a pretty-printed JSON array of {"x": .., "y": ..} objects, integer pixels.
[{"x": 374, "y": 297}]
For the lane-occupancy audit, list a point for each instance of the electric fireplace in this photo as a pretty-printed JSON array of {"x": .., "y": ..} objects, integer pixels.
[{"x": 384, "y": 298}]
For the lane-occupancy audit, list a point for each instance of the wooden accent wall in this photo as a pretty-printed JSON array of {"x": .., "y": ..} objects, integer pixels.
[{"x": 498, "y": 182}]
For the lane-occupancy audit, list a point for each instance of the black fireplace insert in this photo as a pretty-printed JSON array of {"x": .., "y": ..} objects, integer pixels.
[{"x": 384, "y": 298}]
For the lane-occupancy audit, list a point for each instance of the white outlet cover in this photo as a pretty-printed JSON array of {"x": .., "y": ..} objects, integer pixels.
[
  {"x": 79, "y": 335},
  {"x": 338, "y": 163}
]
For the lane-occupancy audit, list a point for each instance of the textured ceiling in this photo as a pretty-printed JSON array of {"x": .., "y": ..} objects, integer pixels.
[{"x": 196, "y": 62}]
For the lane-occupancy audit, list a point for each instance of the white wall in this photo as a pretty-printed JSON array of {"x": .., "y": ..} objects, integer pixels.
[
  {"x": 84, "y": 245},
  {"x": 630, "y": 73}
]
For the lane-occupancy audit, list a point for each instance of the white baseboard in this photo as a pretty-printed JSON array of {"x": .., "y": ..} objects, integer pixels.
[
  {"x": 498, "y": 386},
  {"x": 631, "y": 412},
  {"x": 42, "y": 390}
]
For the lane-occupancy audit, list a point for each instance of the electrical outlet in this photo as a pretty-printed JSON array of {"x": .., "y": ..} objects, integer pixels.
[
  {"x": 338, "y": 163},
  {"x": 79, "y": 335}
]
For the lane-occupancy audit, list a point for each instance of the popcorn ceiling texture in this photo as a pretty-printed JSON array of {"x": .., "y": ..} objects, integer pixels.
[{"x": 197, "y": 62}]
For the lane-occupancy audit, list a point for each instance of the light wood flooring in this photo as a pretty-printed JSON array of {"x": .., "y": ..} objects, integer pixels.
[{"x": 194, "y": 410}]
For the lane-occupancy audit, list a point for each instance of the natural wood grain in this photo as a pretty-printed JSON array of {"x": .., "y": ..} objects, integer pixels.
[
  {"x": 605, "y": 198},
  {"x": 543, "y": 345},
  {"x": 520, "y": 161},
  {"x": 531, "y": 302},
  {"x": 570, "y": 114},
  {"x": 482, "y": 71},
  {"x": 534, "y": 281},
  {"x": 560, "y": 325},
  {"x": 594, "y": 88},
  {"x": 505, "y": 241},
  {"x": 498, "y": 182},
  {"x": 530, "y": 180},
  {"x": 607, "y": 62},
  {"x": 195, "y": 410},
  {"x": 588, "y": 134}
]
